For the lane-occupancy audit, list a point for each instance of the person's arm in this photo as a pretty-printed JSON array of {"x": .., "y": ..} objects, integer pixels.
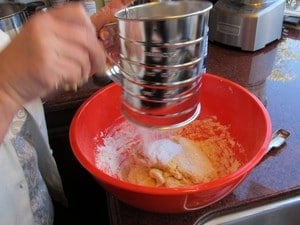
[{"x": 54, "y": 48}]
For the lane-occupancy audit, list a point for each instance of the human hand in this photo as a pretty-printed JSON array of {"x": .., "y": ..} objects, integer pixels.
[
  {"x": 107, "y": 29},
  {"x": 56, "y": 48},
  {"x": 106, "y": 14}
]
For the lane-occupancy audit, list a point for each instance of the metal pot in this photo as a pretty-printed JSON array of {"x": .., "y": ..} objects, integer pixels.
[{"x": 14, "y": 15}]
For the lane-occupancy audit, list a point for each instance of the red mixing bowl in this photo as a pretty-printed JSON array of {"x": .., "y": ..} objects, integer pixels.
[{"x": 234, "y": 105}]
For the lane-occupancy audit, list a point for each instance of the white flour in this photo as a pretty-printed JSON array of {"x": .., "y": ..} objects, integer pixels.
[
  {"x": 116, "y": 143},
  {"x": 125, "y": 138},
  {"x": 162, "y": 151}
]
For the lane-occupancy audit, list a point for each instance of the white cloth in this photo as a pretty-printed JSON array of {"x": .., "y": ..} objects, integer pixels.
[
  {"x": 4, "y": 39},
  {"x": 15, "y": 202}
]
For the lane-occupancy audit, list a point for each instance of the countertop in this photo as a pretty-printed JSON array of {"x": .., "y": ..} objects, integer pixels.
[{"x": 273, "y": 75}]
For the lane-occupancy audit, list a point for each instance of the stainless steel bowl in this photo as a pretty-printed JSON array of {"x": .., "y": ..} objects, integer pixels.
[{"x": 12, "y": 17}]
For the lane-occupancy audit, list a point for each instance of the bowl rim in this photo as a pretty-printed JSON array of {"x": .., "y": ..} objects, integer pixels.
[{"x": 241, "y": 172}]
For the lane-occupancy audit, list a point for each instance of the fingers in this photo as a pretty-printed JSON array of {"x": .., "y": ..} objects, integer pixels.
[
  {"x": 107, "y": 13},
  {"x": 73, "y": 68},
  {"x": 80, "y": 37},
  {"x": 81, "y": 46},
  {"x": 109, "y": 35},
  {"x": 64, "y": 47},
  {"x": 68, "y": 75},
  {"x": 57, "y": 48},
  {"x": 73, "y": 13}
]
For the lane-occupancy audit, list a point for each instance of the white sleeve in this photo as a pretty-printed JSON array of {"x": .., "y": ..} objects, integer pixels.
[{"x": 4, "y": 40}]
